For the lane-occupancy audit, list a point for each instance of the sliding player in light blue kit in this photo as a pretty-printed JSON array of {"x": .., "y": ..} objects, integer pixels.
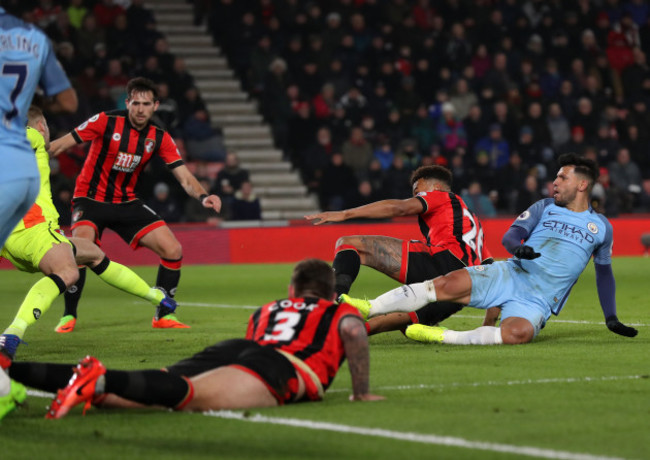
[
  {"x": 26, "y": 61},
  {"x": 560, "y": 235}
]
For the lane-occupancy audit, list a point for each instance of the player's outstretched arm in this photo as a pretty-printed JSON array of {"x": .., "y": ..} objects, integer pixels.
[
  {"x": 61, "y": 144},
  {"x": 377, "y": 210},
  {"x": 65, "y": 101},
  {"x": 355, "y": 342},
  {"x": 607, "y": 295},
  {"x": 194, "y": 189}
]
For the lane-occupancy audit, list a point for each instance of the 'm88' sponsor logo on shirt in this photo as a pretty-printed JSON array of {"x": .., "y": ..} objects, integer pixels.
[{"x": 126, "y": 162}]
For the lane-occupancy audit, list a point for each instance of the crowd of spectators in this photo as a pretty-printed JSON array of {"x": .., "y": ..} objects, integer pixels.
[
  {"x": 102, "y": 44},
  {"x": 360, "y": 92}
]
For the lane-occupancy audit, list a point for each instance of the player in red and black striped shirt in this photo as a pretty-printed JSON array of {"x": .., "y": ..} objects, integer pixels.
[
  {"x": 122, "y": 143},
  {"x": 453, "y": 239},
  {"x": 292, "y": 352}
]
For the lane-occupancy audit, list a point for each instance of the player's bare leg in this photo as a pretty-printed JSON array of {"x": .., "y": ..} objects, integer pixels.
[
  {"x": 515, "y": 331},
  {"x": 60, "y": 260},
  {"x": 229, "y": 388},
  {"x": 387, "y": 323},
  {"x": 382, "y": 253}
]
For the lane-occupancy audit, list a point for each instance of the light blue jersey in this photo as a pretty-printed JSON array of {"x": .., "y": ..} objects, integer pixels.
[
  {"x": 26, "y": 61},
  {"x": 533, "y": 289},
  {"x": 566, "y": 240}
]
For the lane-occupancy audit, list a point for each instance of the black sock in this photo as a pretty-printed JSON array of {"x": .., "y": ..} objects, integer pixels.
[
  {"x": 346, "y": 266},
  {"x": 169, "y": 273},
  {"x": 43, "y": 376},
  {"x": 73, "y": 294},
  {"x": 148, "y": 387},
  {"x": 433, "y": 313}
]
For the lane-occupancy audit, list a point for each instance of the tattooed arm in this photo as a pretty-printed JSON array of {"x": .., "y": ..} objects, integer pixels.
[{"x": 355, "y": 342}]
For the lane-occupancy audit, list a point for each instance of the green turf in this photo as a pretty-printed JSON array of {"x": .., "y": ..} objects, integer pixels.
[{"x": 575, "y": 389}]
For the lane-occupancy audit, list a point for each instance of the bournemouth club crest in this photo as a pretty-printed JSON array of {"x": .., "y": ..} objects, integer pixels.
[{"x": 149, "y": 145}]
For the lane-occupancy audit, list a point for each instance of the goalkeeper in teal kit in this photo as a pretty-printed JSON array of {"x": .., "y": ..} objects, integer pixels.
[{"x": 559, "y": 236}]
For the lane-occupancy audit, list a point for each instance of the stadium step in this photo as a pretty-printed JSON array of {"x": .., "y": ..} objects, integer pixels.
[
  {"x": 235, "y": 143},
  {"x": 181, "y": 30},
  {"x": 206, "y": 62},
  {"x": 206, "y": 85},
  {"x": 169, "y": 6},
  {"x": 212, "y": 73},
  {"x": 261, "y": 167},
  {"x": 231, "y": 108},
  {"x": 292, "y": 203},
  {"x": 281, "y": 190},
  {"x": 229, "y": 120},
  {"x": 244, "y": 130},
  {"x": 250, "y": 155},
  {"x": 195, "y": 50},
  {"x": 182, "y": 40},
  {"x": 224, "y": 96},
  {"x": 279, "y": 178},
  {"x": 247, "y": 131},
  {"x": 173, "y": 17}
]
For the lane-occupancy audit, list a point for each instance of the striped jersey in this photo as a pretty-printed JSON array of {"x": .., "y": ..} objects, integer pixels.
[
  {"x": 26, "y": 61},
  {"x": 306, "y": 328},
  {"x": 447, "y": 223},
  {"x": 118, "y": 154},
  {"x": 43, "y": 209}
]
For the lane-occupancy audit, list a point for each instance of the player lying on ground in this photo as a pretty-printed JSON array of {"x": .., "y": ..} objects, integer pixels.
[
  {"x": 292, "y": 352},
  {"x": 36, "y": 244},
  {"x": 122, "y": 144},
  {"x": 453, "y": 240},
  {"x": 560, "y": 235}
]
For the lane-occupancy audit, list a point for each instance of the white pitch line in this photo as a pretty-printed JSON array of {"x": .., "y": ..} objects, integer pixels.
[
  {"x": 408, "y": 436},
  {"x": 251, "y": 307},
  {"x": 217, "y": 305},
  {"x": 494, "y": 383},
  {"x": 442, "y": 386}
]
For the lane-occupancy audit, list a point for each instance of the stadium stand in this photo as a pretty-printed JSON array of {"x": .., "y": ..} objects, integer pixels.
[{"x": 495, "y": 90}]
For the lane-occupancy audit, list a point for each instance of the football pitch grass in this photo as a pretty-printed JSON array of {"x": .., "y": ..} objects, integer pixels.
[{"x": 577, "y": 392}]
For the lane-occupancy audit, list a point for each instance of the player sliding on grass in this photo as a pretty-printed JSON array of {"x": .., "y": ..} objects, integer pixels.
[
  {"x": 559, "y": 237},
  {"x": 36, "y": 244},
  {"x": 292, "y": 352},
  {"x": 454, "y": 240}
]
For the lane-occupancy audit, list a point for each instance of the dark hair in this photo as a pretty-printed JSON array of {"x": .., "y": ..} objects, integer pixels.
[
  {"x": 435, "y": 172},
  {"x": 582, "y": 165},
  {"x": 313, "y": 276},
  {"x": 141, "y": 85}
]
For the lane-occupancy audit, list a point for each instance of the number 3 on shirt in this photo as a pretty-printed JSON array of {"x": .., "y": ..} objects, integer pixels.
[{"x": 284, "y": 328}]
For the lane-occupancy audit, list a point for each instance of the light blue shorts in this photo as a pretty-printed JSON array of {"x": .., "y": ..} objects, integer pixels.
[
  {"x": 506, "y": 285},
  {"x": 16, "y": 197}
]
